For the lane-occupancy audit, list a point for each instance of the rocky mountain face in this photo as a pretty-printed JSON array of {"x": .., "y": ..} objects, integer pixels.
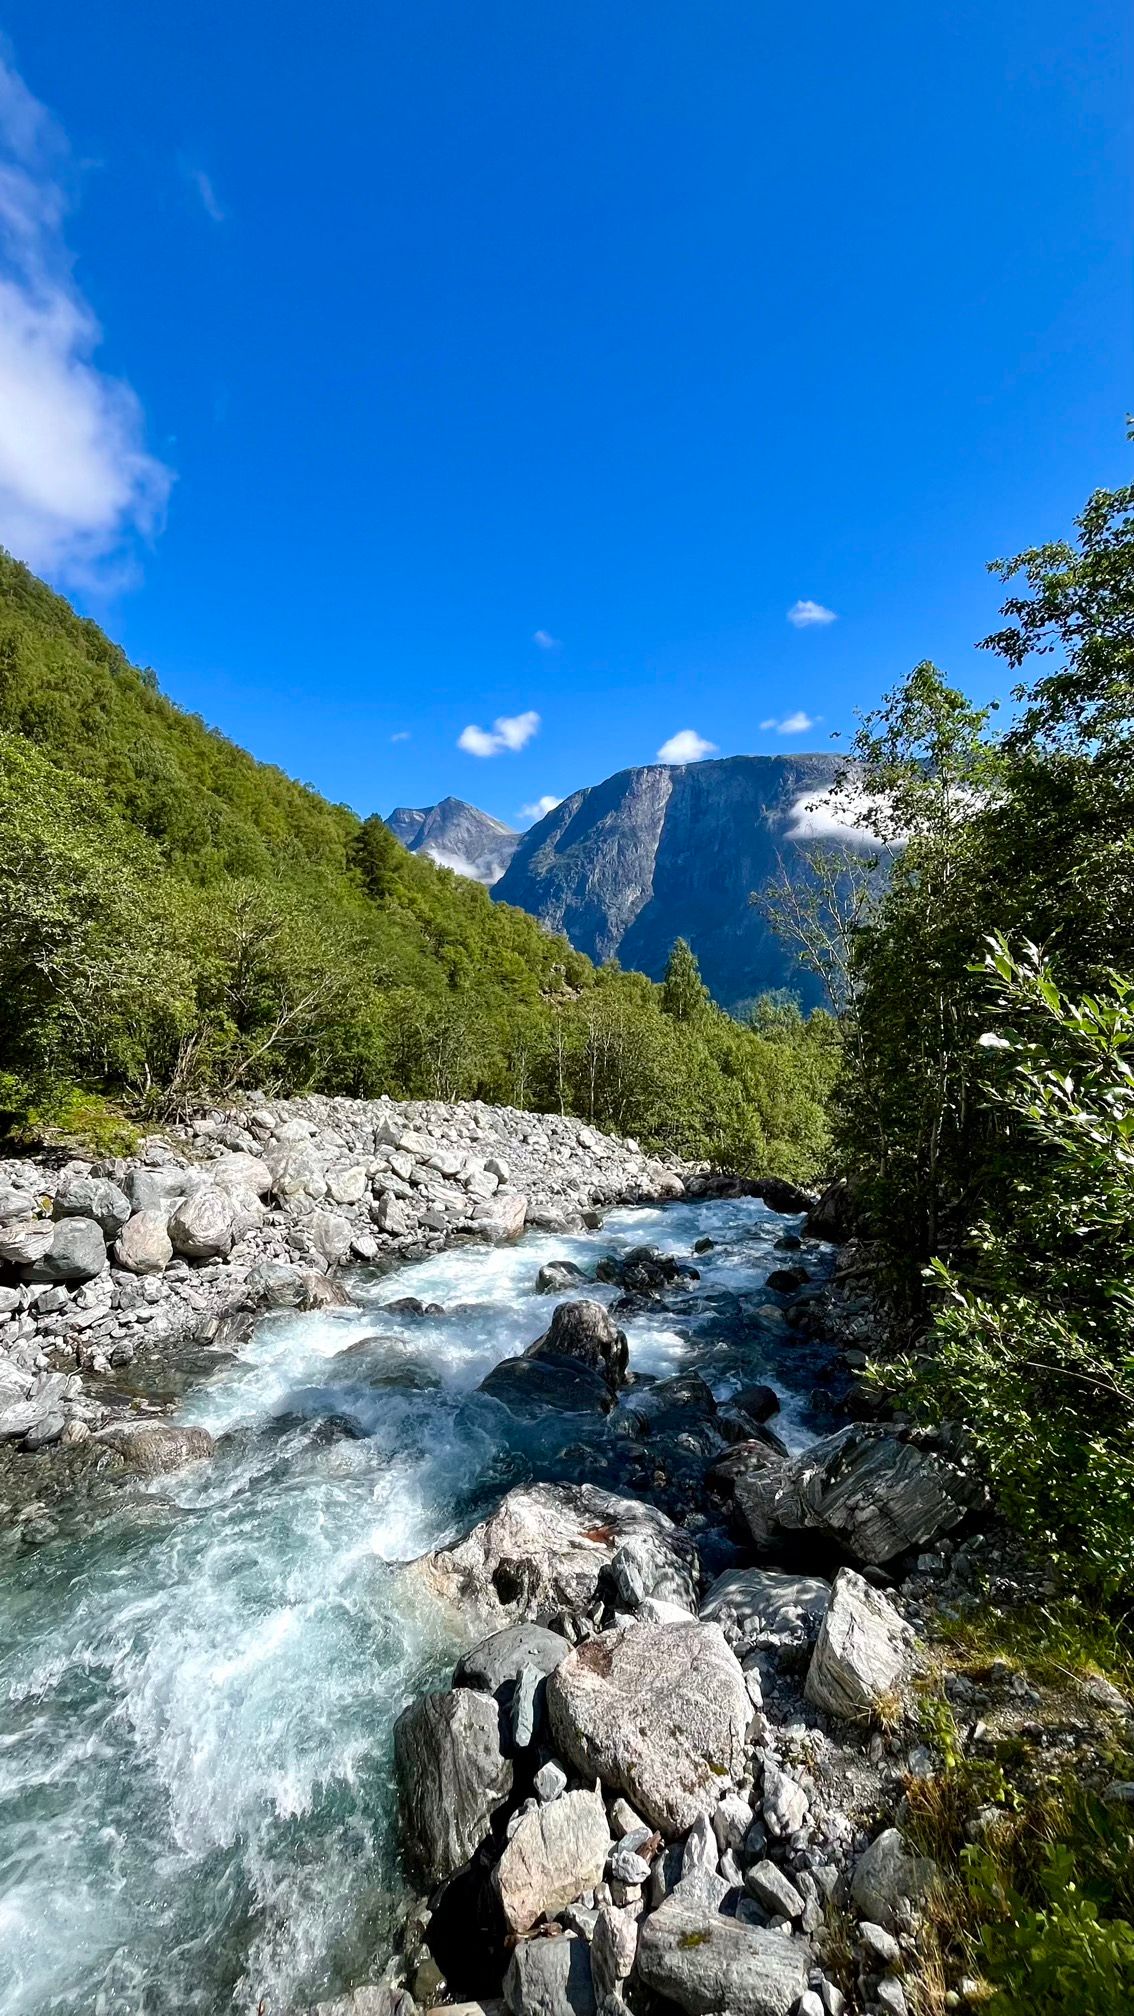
[
  {"x": 456, "y": 836},
  {"x": 668, "y": 851}
]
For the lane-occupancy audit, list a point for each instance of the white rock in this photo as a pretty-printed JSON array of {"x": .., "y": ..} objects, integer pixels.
[{"x": 862, "y": 1654}]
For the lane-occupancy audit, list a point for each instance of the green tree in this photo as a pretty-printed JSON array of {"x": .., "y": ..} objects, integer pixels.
[{"x": 685, "y": 996}]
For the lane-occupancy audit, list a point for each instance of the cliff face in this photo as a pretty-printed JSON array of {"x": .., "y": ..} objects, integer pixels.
[
  {"x": 456, "y": 836},
  {"x": 669, "y": 851}
]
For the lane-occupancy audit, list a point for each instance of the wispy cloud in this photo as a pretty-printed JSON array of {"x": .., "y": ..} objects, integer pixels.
[
  {"x": 792, "y": 724},
  {"x": 77, "y": 485},
  {"x": 546, "y": 641},
  {"x": 540, "y": 809},
  {"x": 400, "y": 735},
  {"x": 508, "y": 731},
  {"x": 807, "y": 615},
  {"x": 210, "y": 201},
  {"x": 685, "y": 747}
]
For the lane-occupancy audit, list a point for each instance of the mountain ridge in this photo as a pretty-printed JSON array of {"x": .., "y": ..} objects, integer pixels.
[{"x": 456, "y": 835}]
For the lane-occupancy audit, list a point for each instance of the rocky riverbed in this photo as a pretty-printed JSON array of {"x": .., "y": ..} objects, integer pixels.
[{"x": 476, "y": 1594}]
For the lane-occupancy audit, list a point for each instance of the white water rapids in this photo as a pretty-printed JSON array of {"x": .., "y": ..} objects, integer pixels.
[{"x": 198, "y": 1683}]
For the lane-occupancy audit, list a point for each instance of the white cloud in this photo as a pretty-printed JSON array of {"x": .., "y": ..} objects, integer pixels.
[
  {"x": 210, "y": 201},
  {"x": 508, "y": 731},
  {"x": 400, "y": 735},
  {"x": 685, "y": 747},
  {"x": 546, "y": 641},
  {"x": 808, "y": 615},
  {"x": 792, "y": 724},
  {"x": 846, "y": 818},
  {"x": 77, "y": 484},
  {"x": 541, "y": 808}
]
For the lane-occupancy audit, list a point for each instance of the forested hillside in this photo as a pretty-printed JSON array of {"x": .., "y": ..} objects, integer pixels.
[{"x": 177, "y": 919}]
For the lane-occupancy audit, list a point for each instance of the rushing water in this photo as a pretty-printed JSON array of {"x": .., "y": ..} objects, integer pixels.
[{"x": 197, "y": 1685}]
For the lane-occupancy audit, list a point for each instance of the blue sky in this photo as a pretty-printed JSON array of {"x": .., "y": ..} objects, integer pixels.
[{"x": 381, "y": 373}]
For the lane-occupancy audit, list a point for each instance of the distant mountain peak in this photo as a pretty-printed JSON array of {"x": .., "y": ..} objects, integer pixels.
[{"x": 456, "y": 836}]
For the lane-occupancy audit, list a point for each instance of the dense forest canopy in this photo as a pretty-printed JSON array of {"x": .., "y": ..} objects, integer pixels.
[{"x": 178, "y": 920}]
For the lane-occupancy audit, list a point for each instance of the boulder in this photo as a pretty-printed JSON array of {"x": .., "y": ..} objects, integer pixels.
[
  {"x": 557, "y": 1851},
  {"x": 766, "y": 1607},
  {"x": 24, "y": 1241},
  {"x": 707, "y": 1964},
  {"x": 77, "y": 1252},
  {"x": 614, "y": 1948},
  {"x": 886, "y": 1877},
  {"x": 529, "y": 1386},
  {"x": 495, "y": 1665},
  {"x": 557, "y": 1275},
  {"x": 346, "y": 1182},
  {"x": 659, "y": 1712},
  {"x": 865, "y": 1488},
  {"x": 369, "y": 2001},
  {"x": 759, "y": 1402},
  {"x": 144, "y": 1246},
  {"x": 547, "y": 1549},
  {"x": 862, "y": 1654},
  {"x": 833, "y": 1217},
  {"x": 499, "y": 1220},
  {"x": 201, "y": 1227},
  {"x": 452, "y": 1777},
  {"x": 585, "y": 1333},
  {"x": 328, "y": 1235},
  {"x": 297, "y": 1173},
  {"x": 550, "y": 1977},
  {"x": 154, "y": 1447},
  {"x": 239, "y": 1172},
  {"x": 92, "y": 1197},
  {"x": 390, "y": 1216},
  {"x": 160, "y": 1189}
]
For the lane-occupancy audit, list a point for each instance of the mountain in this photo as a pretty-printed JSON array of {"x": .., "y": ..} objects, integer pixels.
[
  {"x": 674, "y": 850},
  {"x": 456, "y": 836}
]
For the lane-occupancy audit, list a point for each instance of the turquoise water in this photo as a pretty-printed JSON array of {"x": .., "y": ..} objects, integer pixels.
[{"x": 198, "y": 1684}]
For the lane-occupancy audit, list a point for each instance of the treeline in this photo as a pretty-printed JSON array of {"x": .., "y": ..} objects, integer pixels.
[
  {"x": 985, "y": 1107},
  {"x": 178, "y": 921}
]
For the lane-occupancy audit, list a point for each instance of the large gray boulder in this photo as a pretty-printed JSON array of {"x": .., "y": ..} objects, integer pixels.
[
  {"x": 452, "y": 1777},
  {"x": 238, "y": 1172},
  {"x": 766, "y": 1607},
  {"x": 586, "y": 1334},
  {"x": 546, "y": 1550},
  {"x": 707, "y": 1964},
  {"x": 865, "y": 1487},
  {"x": 499, "y": 1219},
  {"x": 202, "y": 1226},
  {"x": 144, "y": 1246},
  {"x": 557, "y": 1851},
  {"x": 862, "y": 1654},
  {"x": 495, "y": 1665},
  {"x": 77, "y": 1252},
  {"x": 298, "y": 1176},
  {"x": 659, "y": 1712},
  {"x": 550, "y": 1977},
  {"x": 886, "y": 1878},
  {"x": 160, "y": 1189},
  {"x": 92, "y": 1197}
]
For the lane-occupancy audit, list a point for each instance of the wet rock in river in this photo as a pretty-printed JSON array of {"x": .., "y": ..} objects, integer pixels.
[
  {"x": 452, "y": 1778},
  {"x": 584, "y": 1333},
  {"x": 557, "y": 1275},
  {"x": 154, "y": 1447}
]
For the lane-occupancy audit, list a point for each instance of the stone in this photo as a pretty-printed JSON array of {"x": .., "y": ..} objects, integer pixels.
[
  {"x": 390, "y": 1216},
  {"x": 700, "y": 1851},
  {"x": 159, "y": 1189},
  {"x": 297, "y": 1173},
  {"x": 329, "y": 1235},
  {"x": 153, "y": 1448},
  {"x": 92, "y": 1197},
  {"x": 547, "y": 1548},
  {"x": 706, "y": 1964},
  {"x": 767, "y": 1607},
  {"x": 772, "y": 1889},
  {"x": 550, "y": 1780},
  {"x": 614, "y": 1948},
  {"x": 201, "y": 1227},
  {"x": 886, "y": 1875},
  {"x": 731, "y": 1821},
  {"x": 370, "y": 2001},
  {"x": 659, "y": 1712},
  {"x": 77, "y": 1252},
  {"x": 530, "y": 1387},
  {"x": 550, "y": 1977},
  {"x": 347, "y": 1182},
  {"x": 863, "y": 1487},
  {"x": 495, "y": 1665},
  {"x": 527, "y": 1707},
  {"x": 862, "y": 1654},
  {"x": 24, "y": 1241},
  {"x": 784, "y": 1803},
  {"x": 759, "y": 1403},
  {"x": 584, "y": 1332},
  {"x": 452, "y": 1777},
  {"x": 557, "y": 1275},
  {"x": 498, "y": 1220},
  {"x": 627, "y": 1866},
  {"x": 558, "y": 1851},
  {"x": 238, "y": 1172},
  {"x": 879, "y": 1947},
  {"x": 143, "y": 1246}
]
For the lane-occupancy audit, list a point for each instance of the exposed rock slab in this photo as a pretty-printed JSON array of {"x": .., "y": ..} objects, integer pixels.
[
  {"x": 659, "y": 1712},
  {"x": 707, "y": 1965},
  {"x": 864, "y": 1487}
]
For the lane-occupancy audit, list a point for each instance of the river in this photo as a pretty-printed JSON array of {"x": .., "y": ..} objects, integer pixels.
[{"x": 200, "y": 1675}]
